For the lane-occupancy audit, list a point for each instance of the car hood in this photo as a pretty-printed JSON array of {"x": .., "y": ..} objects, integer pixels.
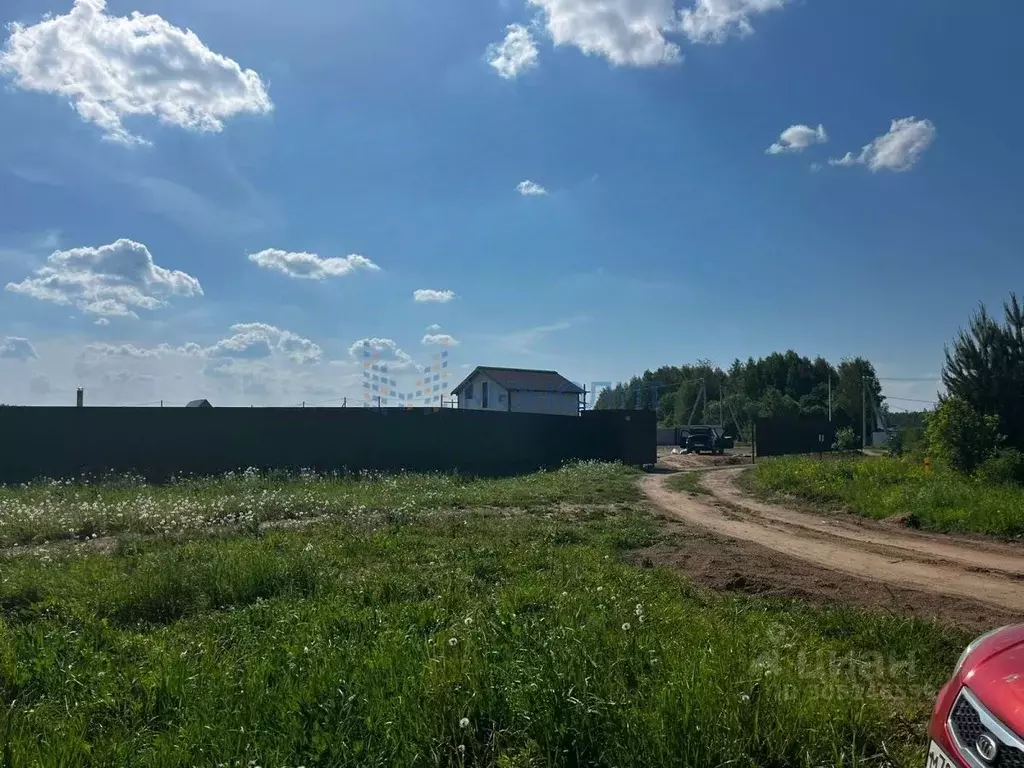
[{"x": 995, "y": 673}]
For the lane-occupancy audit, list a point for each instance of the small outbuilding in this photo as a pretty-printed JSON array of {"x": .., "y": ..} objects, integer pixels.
[{"x": 199, "y": 404}]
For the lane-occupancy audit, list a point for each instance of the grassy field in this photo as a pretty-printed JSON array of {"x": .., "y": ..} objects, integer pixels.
[
  {"x": 53, "y": 511},
  {"x": 883, "y": 487},
  {"x": 486, "y": 624}
]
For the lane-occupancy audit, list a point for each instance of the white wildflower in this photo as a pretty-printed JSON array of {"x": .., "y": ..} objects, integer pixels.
[
  {"x": 464, "y": 722},
  {"x": 626, "y": 627}
]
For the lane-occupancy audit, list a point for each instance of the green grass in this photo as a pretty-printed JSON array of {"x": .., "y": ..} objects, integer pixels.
[
  {"x": 936, "y": 499},
  {"x": 688, "y": 482},
  {"x": 51, "y": 511},
  {"x": 488, "y": 635}
]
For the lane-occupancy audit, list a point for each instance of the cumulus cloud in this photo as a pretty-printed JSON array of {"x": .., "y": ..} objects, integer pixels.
[
  {"x": 530, "y": 189},
  {"x": 898, "y": 150},
  {"x": 797, "y": 138},
  {"x": 439, "y": 339},
  {"x": 17, "y": 348},
  {"x": 376, "y": 350},
  {"x": 712, "y": 21},
  {"x": 310, "y": 266},
  {"x": 110, "y": 281},
  {"x": 259, "y": 340},
  {"x": 433, "y": 328},
  {"x": 425, "y": 295},
  {"x": 516, "y": 54},
  {"x": 638, "y": 33},
  {"x": 625, "y": 32},
  {"x": 248, "y": 341},
  {"x": 115, "y": 67}
]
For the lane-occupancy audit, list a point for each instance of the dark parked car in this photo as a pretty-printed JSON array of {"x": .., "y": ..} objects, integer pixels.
[{"x": 704, "y": 440}]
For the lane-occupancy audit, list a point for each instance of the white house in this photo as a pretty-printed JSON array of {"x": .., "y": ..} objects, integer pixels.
[{"x": 519, "y": 390}]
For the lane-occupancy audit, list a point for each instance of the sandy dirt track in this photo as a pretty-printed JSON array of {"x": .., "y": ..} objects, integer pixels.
[{"x": 942, "y": 571}]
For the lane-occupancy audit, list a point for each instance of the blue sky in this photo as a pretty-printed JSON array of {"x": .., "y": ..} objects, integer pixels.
[{"x": 231, "y": 213}]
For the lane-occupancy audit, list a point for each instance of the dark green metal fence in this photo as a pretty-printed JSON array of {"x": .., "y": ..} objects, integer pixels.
[
  {"x": 159, "y": 443},
  {"x": 780, "y": 437}
]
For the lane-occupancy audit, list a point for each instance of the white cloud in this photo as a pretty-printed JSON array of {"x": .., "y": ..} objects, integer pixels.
[
  {"x": 248, "y": 341},
  {"x": 516, "y": 54},
  {"x": 258, "y": 340},
  {"x": 637, "y": 32},
  {"x": 114, "y": 67},
  {"x": 433, "y": 328},
  {"x": 430, "y": 295},
  {"x": 17, "y": 348},
  {"x": 527, "y": 340},
  {"x": 102, "y": 321},
  {"x": 111, "y": 280},
  {"x": 625, "y": 32},
  {"x": 310, "y": 266},
  {"x": 898, "y": 150},
  {"x": 530, "y": 189},
  {"x": 845, "y": 161},
  {"x": 797, "y": 138},
  {"x": 712, "y": 21},
  {"x": 380, "y": 351},
  {"x": 439, "y": 339}
]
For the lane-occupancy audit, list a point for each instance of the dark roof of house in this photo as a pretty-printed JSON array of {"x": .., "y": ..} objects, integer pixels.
[
  {"x": 199, "y": 404},
  {"x": 524, "y": 380}
]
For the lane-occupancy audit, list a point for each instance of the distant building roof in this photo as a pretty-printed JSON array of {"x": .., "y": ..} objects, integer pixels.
[
  {"x": 524, "y": 380},
  {"x": 199, "y": 404}
]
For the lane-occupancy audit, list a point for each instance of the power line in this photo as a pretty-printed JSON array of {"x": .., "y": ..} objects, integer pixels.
[{"x": 911, "y": 400}]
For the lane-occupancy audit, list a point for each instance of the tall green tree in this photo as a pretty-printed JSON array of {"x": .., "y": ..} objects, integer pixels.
[{"x": 985, "y": 368}]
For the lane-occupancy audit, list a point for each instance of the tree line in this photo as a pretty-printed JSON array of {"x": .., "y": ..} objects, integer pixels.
[{"x": 779, "y": 385}]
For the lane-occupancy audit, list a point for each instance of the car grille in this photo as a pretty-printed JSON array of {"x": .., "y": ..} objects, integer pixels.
[{"x": 967, "y": 725}]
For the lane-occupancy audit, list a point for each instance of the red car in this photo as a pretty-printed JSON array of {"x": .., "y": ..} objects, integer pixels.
[{"x": 978, "y": 720}]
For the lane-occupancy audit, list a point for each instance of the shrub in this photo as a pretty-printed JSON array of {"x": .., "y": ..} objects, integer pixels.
[
  {"x": 960, "y": 436},
  {"x": 1005, "y": 466},
  {"x": 846, "y": 439},
  {"x": 895, "y": 444}
]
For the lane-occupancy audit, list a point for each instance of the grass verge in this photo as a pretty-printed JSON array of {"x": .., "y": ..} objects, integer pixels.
[
  {"x": 688, "y": 482},
  {"x": 450, "y": 636},
  {"x": 884, "y": 487},
  {"x": 50, "y": 511}
]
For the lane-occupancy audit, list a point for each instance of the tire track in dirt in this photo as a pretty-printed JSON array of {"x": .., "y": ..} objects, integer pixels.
[
  {"x": 944, "y": 568},
  {"x": 977, "y": 555}
]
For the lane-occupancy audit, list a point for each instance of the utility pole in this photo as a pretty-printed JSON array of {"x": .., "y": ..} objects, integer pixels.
[
  {"x": 863, "y": 412},
  {"x": 721, "y": 418},
  {"x": 830, "y": 398}
]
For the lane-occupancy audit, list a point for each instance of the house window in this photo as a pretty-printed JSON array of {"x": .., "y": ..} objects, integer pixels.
[
  {"x": 483, "y": 394},
  {"x": 469, "y": 391}
]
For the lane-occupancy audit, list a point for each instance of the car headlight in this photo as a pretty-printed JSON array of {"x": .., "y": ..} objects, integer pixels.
[{"x": 972, "y": 647}]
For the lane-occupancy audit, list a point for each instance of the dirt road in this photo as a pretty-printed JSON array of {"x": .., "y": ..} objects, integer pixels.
[{"x": 936, "y": 570}]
